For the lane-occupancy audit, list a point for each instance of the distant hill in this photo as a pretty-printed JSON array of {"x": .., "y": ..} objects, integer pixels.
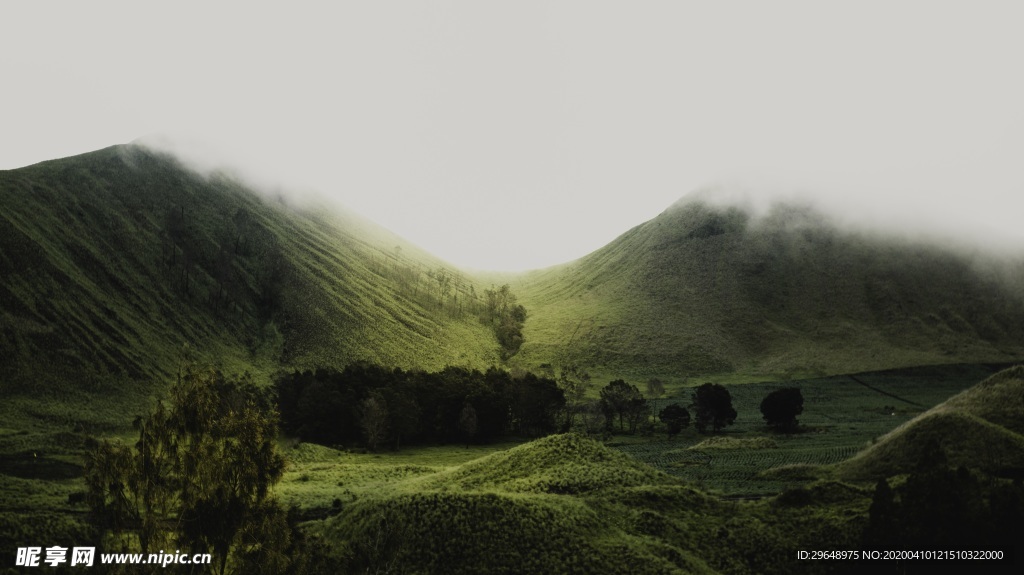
[
  {"x": 112, "y": 261},
  {"x": 705, "y": 289},
  {"x": 981, "y": 427}
]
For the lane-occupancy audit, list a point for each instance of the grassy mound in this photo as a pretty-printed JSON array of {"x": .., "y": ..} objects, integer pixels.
[
  {"x": 555, "y": 464},
  {"x": 719, "y": 442},
  {"x": 489, "y": 533},
  {"x": 979, "y": 427},
  {"x": 999, "y": 399},
  {"x": 966, "y": 440}
]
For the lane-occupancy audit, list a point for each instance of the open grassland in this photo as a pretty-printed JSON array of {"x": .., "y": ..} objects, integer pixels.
[
  {"x": 556, "y": 505},
  {"x": 842, "y": 415},
  {"x": 743, "y": 501}
]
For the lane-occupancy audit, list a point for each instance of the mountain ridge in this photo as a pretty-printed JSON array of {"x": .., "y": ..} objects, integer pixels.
[
  {"x": 709, "y": 289},
  {"x": 113, "y": 260}
]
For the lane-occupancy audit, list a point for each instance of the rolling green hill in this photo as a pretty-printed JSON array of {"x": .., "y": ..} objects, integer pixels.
[
  {"x": 567, "y": 504},
  {"x": 703, "y": 289},
  {"x": 112, "y": 261},
  {"x": 981, "y": 427}
]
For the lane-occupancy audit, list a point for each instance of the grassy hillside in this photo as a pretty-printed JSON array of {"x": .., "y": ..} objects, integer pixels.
[
  {"x": 703, "y": 290},
  {"x": 112, "y": 261},
  {"x": 981, "y": 427},
  {"x": 564, "y": 504}
]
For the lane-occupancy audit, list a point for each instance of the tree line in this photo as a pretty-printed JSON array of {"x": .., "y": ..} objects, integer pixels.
[
  {"x": 623, "y": 408},
  {"x": 367, "y": 404}
]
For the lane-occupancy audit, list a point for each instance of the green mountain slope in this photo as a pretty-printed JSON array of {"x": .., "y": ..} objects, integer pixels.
[
  {"x": 702, "y": 289},
  {"x": 112, "y": 261},
  {"x": 981, "y": 427}
]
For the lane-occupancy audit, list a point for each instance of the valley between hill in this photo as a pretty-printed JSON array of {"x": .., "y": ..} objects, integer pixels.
[{"x": 120, "y": 266}]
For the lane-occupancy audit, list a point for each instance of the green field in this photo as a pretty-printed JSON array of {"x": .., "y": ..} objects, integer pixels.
[
  {"x": 631, "y": 501},
  {"x": 841, "y": 417},
  {"x": 120, "y": 266}
]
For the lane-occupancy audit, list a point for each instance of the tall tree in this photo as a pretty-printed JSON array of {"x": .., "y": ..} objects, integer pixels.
[
  {"x": 468, "y": 422},
  {"x": 713, "y": 404},
  {"x": 575, "y": 383},
  {"x": 199, "y": 476},
  {"x": 619, "y": 399},
  {"x": 373, "y": 419}
]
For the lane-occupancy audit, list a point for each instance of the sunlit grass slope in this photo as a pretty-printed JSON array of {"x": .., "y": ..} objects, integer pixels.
[
  {"x": 981, "y": 427},
  {"x": 555, "y": 464},
  {"x": 565, "y": 504},
  {"x": 111, "y": 261},
  {"x": 702, "y": 289}
]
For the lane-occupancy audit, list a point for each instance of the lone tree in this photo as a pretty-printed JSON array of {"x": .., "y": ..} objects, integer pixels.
[
  {"x": 781, "y": 407},
  {"x": 714, "y": 407},
  {"x": 199, "y": 478},
  {"x": 675, "y": 417}
]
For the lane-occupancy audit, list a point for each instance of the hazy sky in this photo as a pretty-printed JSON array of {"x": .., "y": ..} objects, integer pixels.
[{"x": 520, "y": 134}]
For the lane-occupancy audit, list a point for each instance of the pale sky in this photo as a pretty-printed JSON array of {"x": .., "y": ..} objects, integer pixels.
[{"x": 514, "y": 135}]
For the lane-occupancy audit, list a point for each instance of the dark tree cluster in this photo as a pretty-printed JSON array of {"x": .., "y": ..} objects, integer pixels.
[
  {"x": 371, "y": 405},
  {"x": 506, "y": 317},
  {"x": 938, "y": 507},
  {"x": 781, "y": 407},
  {"x": 623, "y": 401},
  {"x": 713, "y": 404},
  {"x": 675, "y": 417}
]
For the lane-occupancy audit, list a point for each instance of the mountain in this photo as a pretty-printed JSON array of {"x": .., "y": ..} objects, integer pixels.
[
  {"x": 705, "y": 288},
  {"x": 112, "y": 261}
]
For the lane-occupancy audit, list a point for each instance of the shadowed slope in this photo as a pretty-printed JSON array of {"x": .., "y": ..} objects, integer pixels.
[
  {"x": 111, "y": 261},
  {"x": 702, "y": 289},
  {"x": 979, "y": 428}
]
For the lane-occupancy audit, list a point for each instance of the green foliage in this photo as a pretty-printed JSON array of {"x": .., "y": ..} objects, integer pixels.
[
  {"x": 675, "y": 417},
  {"x": 506, "y": 317},
  {"x": 368, "y": 402},
  {"x": 623, "y": 400},
  {"x": 468, "y": 422},
  {"x": 373, "y": 418},
  {"x": 975, "y": 428},
  {"x": 938, "y": 507},
  {"x": 713, "y": 405},
  {"x": 780, "y": 408},
  {"x": 575, "y": 384},
  {"x": 199, "y": 477}
]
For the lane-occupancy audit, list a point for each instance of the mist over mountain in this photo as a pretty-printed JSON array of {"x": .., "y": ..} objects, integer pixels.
[
  {"x": 719, "y": 284},
  {"x": 112, "y": 261}
]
